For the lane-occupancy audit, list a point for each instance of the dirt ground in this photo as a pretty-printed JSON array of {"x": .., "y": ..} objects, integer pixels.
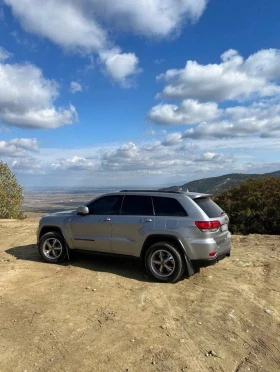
[{"x": 103, "y": 314}]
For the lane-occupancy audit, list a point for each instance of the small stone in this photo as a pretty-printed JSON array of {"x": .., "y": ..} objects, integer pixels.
[
  {"x": 212, "y": 353},
  {"x": 132, "y": 340},
  {"x": 153, "y": 362},
  {"x": 199, "y": 323},
  {"x": 269, "y": 311}
]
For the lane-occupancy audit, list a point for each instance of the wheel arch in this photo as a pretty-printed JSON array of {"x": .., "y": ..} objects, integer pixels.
[
  {"x": 47, "y": 229},
  {"x": 156, "y": 238}
]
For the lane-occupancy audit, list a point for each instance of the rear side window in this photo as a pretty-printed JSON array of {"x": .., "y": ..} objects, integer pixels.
[
  {"x": 209, "y": 207},
  {"x": 168, "y": 207},
  {"x": 137, "y": 205}
]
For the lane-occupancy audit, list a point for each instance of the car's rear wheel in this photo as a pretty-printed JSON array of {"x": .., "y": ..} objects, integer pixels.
[
  {"x": 164, "y": 262},
  {"x": 52, "y": 247}
]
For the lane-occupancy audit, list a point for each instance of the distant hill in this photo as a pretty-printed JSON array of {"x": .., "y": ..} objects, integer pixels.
[{"x": 216, "y": 185}]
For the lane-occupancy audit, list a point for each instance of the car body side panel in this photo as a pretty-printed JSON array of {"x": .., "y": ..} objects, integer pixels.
[
  {"x": 129, "y": 234},
  {"x": 92, "y": 233}
]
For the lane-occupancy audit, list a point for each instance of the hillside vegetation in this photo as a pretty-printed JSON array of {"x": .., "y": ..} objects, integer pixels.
[
  {"x": 253, "y": 206},
  {"x": 216, "y": 185},
  {"x": 11, "y": 194}
]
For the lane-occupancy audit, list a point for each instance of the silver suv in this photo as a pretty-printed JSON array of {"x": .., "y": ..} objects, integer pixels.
[{"x": 172, "y": 232}]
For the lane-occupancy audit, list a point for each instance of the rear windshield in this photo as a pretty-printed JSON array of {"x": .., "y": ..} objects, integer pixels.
[{"x": 209, "y": 207}]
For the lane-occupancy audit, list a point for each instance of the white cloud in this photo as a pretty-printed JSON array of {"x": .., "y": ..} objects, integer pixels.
[
  {"x": 27, "y": 165},
  {"x": 210, "y": 156},
  {"x": 150, "y": 18},
  {"x": 265, "y": 62},
  {"x": 27, "y": 99},
  {"x": 172, "y": 139},
  {"x": 233, "y": 79},
  {"x": 188, "y": 112},
  {"x": 76, "y": 163},
  {"x": 120, "y": 66},
  {"x": 168, "y": 157},
  {"x": 75, "y": 87},
  {"x": 66, "y": 23},
  {"x": 79, "y": 22},
  {"x": 259, "y": 119},
  {"x": 82, "y": 25},
  {"x": 175, "y": 159},
  {"x": 18, "y": 147},
  {"x": 251, "y": 84}
]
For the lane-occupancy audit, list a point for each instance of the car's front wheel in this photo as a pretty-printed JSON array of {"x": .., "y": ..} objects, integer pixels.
[
  {"x": 164, "y": 262},
  {"x": 52, "y": 247}
]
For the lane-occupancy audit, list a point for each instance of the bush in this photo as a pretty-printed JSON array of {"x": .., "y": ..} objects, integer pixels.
[
  {"x": 253, "y": 206},
  {"x": 11, "y": 194}
]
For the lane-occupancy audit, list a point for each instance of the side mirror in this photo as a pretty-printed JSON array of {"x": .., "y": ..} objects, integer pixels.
[{"x": 82, "y": 211}]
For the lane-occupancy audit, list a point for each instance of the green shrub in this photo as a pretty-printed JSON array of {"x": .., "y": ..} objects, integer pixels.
[
  {"x": 11, "y": 194},
  {"x": 253, "y": 206}
]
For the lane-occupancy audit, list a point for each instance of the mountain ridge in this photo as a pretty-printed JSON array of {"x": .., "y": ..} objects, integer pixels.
[{"x": 216, "y": 185}]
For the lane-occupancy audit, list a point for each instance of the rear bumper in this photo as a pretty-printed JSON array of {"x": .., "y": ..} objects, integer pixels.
[{"x": 209, "y": 262}]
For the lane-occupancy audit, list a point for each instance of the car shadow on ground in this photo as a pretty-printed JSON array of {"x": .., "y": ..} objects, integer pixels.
[{"x": 124, "y": 266}]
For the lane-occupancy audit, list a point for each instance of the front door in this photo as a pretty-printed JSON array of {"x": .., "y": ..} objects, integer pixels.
[{"x": 93, "y": 231}]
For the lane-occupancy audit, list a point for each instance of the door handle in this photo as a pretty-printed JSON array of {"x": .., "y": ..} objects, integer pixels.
[
  {"x": 147, "y": 220},
  {"x": 106, "y": 219}
]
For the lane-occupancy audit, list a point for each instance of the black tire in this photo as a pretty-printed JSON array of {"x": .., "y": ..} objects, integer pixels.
[
  {"x": 164, "y": 262},
  {"x": 52, "y": 247}
]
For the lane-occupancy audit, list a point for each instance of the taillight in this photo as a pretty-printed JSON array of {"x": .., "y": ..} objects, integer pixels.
[{"x": 211, "y": 226}]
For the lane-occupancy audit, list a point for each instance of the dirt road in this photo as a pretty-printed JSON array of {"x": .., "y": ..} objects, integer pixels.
[{"x": 103, "y": 314}]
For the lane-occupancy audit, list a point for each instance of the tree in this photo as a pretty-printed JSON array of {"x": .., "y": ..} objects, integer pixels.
[
  {"x": 253, "y": 206},
  {"x": 11, "y": 194}
]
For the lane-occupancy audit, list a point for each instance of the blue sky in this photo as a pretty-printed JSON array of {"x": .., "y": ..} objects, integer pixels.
[{"x": 148, "y": 92}]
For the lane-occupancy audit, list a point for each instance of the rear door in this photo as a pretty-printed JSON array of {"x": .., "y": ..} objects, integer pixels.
[{"x": 131, "y": 227}]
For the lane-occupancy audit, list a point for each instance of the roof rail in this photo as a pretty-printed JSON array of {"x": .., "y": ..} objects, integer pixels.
[
  {"x": 161, "y": 190},
  {"x": 172, "y": 188}
]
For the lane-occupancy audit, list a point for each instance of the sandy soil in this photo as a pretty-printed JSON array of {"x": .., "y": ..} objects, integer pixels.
[{"x": 103, "y": 314}]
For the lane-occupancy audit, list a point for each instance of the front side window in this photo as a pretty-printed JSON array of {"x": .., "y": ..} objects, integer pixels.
[
  {"x": 137, "y": 205},
  {"x": 110, "y": 204},
  {"x": 168, "y": 207}
]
